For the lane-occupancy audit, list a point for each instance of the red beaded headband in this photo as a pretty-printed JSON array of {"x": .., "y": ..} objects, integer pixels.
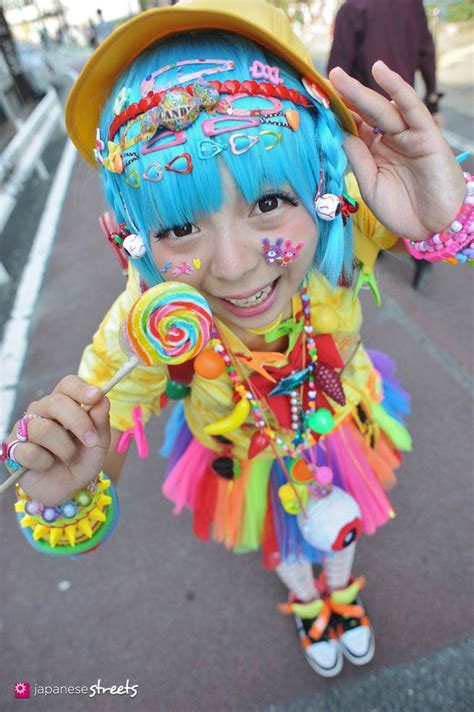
[{"x": 230, "y": 86}]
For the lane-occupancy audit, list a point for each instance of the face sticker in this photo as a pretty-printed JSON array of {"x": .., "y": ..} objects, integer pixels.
[
  {"x": 182, "y": 268},
  {"x": 272, "y": 251},
  {"x": 165, "y": 267}
]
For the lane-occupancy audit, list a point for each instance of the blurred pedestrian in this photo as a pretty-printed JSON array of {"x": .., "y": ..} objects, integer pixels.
[
  {"x": 103, "y": 28},
  {"x": 395, "y": 31}
]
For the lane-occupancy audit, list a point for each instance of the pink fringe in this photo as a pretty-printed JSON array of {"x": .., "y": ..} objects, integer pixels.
[
  {"x": 182, "y": 482},
  {"x": 358, "y": 478}
]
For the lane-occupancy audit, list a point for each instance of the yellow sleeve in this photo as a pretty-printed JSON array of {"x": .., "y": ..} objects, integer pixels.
[
  {"x": 103, "y": 357},
  {"x": 370, "y": 236}
]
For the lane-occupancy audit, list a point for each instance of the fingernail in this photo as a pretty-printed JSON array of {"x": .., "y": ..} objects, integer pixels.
[
  {"x": 90, "y": 438},
  {"x": 91, "y": 393}
]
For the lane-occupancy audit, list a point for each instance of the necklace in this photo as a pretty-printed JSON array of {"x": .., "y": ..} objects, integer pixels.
[{"x": 304, "y": 423}]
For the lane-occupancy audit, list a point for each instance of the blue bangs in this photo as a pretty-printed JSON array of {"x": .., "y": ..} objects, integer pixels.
[{"x": 180, "y": 198}]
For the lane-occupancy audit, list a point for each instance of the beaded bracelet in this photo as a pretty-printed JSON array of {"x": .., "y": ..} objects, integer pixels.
[
  {"x": 77, "y": 526},
  {"x": 454, "y": 245}
]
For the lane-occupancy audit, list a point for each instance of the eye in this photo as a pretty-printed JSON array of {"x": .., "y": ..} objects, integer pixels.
[
  {"x": 177, "y": 232},
  {"x": 272, "y": 201}
]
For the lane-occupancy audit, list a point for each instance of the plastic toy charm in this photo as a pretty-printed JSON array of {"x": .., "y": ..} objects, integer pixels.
[
  {"x": 154, "y": 172},
  {"x": 328, "y": 206},
  {"x": 137, "y": 432},
  {"x": 134, "y": 246},
  {"x": 258, "y": 70}
]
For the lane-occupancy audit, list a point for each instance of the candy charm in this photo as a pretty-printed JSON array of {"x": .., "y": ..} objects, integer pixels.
[{"x": 328, "y": 206}]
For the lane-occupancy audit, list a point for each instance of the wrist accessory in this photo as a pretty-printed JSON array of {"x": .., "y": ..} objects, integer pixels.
[
  {"x": 75, "y": 527},
  {"x": 456, "y": 244}
]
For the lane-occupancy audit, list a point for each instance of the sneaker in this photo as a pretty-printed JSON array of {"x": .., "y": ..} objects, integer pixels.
[
  {"x": 316, "y": 633},
  {"x": 352, "y": 625}
]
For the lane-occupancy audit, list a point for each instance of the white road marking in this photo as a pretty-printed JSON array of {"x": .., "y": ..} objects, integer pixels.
[{"x": 14, "y": 346}]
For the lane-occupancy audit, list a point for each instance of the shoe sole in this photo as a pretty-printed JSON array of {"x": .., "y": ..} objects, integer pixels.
[{"x": 360, "y": 659}]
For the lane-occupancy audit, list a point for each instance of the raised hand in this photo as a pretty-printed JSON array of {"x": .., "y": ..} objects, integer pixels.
[
  {"x": 67, "y": 446},
  {"x": 407, "y": 173}
]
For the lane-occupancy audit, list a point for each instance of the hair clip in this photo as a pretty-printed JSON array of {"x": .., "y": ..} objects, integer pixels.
[
  {"x": 258, "y": 70},
  {"x": 316, "y": 93},
  {"x": 132, "y": 178},
  {"x": 278, "y": 138},
  {"x": 209, "y": 125},
  {"x": 179, "y": 137},
  {"x": 189, "y": 164},
  {"x": 226, "y": 106},
  {"x": 113, "y": 162},
  {"x": 130, "y": 158},
  {"x": 157, "y": 176},
  {"x": 252, "y": 140},
  {"x": 207, "y": 148},
  {"x": 222, "y": 65}
]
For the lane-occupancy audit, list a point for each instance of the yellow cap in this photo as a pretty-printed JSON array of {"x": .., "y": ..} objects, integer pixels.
[{"x": 255, "y": 19}]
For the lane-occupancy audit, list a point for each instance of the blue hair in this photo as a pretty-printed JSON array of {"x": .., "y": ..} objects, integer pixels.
[{"x": 178, "y": 199}]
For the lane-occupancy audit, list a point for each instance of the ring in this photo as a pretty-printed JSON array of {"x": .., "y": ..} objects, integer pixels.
[
  {"x": 378, "y": 131},
  {"x": 11, "y": 462},
  {"x": 22, "y": 427}
]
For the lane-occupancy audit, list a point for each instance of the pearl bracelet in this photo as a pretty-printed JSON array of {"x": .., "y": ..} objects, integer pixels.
[{"x": 456, "y": 244}]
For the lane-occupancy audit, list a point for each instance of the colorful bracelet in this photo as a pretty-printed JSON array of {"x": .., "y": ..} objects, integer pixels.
[
  {"x": 76, "y": 527},
  {"x": 454, "y": 245}
]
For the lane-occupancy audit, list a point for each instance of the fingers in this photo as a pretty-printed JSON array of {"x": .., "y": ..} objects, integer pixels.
[
  {"x": 363, "y": 163},
  {"x": 52, "y": 437},
  {"x": 78, "y": 390},
  {"x": 34, "y": 457},
  {"x": 68, "y": 413},
  {"x": 405, "y": 97},
  {"x": 377, "y": 110},
  {"x": 99, "y": 415}
]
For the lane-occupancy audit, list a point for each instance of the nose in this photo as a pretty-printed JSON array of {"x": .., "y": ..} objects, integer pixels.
[{"x": 235, "y": 253}]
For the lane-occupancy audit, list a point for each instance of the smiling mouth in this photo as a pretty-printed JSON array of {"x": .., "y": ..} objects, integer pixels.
[{"x": 254, "y": 299}]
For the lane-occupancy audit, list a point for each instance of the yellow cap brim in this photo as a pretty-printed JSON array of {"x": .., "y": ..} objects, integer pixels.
[{"x": 267, "y": 27}]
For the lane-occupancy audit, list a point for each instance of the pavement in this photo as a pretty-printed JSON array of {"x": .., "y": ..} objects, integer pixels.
[{"x": 194, "y": 627}]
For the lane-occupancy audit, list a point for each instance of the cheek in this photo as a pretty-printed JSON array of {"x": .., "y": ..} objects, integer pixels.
[{"x": 178, "y": 266}]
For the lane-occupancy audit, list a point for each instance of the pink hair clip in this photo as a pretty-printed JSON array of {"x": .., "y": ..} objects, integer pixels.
[{"x": 137, "y": 432}]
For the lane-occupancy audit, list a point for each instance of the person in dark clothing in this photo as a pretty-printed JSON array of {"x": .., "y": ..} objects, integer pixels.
[{"x": 395, "y": 31}]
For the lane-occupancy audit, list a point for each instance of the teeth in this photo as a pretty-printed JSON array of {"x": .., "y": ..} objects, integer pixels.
[{"x": 252, "y": 301}]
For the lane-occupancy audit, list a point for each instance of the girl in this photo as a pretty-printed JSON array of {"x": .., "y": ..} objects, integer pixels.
[{"x": 220, "y": 150}]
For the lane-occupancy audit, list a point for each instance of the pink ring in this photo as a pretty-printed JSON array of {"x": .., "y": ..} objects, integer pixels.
[{"x": 11, "y": 450}]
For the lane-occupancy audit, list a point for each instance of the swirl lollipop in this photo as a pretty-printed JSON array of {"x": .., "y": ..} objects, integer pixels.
[{"x": 170, "y": 323}]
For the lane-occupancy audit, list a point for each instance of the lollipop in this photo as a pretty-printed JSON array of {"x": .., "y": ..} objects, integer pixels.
[{"x": 170, "y": 323}]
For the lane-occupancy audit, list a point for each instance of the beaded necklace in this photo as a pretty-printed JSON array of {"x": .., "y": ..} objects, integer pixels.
[{"x": 303, "y": 422}]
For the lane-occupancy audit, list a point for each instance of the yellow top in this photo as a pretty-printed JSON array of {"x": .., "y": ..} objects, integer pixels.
[{"x": 210, "y": 400}]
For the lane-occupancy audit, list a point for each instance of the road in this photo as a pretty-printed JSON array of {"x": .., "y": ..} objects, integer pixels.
[{"x": 195, "y": 627}]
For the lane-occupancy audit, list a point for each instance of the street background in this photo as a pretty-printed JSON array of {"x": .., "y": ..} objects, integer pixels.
[{"x": 195, "y": 627}]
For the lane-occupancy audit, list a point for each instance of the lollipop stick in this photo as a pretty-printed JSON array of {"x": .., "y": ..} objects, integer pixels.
[{"x": 121, "y": 373}]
